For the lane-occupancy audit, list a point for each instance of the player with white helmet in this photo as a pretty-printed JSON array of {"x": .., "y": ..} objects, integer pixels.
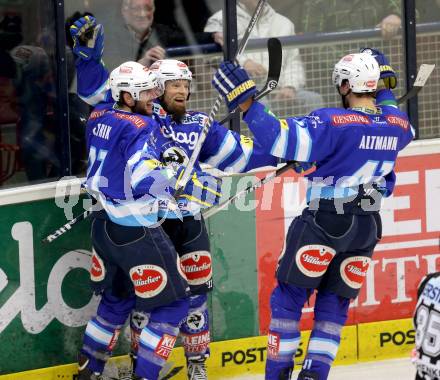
[
  {"x": 134, "y": 267},
  {"x": 134, "y": 78},
  {"x": 329, "y": 246},
  {"x": 223, "y": 149}
]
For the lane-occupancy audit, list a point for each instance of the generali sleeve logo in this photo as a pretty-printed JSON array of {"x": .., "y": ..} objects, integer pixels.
[
  {"x": 148, "y": 280},
  {"x": 97, "y": 271}
]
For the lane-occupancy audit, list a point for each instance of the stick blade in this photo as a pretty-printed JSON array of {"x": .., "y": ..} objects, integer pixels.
[
  {"x": 275, "y": 51},
  {"x": 423, "y": 74}
]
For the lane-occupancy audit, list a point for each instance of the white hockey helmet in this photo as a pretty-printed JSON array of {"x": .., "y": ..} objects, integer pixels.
[
  {"x": 132, "y": 77},
  {"x": 171, "y": 69},
  {"x": 360, "y": 69}
]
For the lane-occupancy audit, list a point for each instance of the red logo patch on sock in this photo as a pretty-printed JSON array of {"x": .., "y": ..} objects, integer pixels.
[
  {"x": 165, "y": 346},
  {"x": 273, "y": 344}
]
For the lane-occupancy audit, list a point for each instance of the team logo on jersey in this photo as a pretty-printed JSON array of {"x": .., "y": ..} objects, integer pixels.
[
  {"x": 354, "y": 269},
  {"x": 165, "y": 346},
  {"x": 175, "y": 155},
  {"x": 197, "y": 267},
  {"x": 97, "y": 271},
  {"x": 188, "y": 138},
  {"x": 313, "y": 260},
  {"x": 148, "y": 280}
]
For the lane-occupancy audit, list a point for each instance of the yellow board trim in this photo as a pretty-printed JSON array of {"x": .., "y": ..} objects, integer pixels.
[{"x": 363, "y": 342}]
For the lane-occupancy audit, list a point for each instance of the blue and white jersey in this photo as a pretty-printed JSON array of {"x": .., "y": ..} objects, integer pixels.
[
  {"x": 222, "y": 148},
  {"x": 426, "y": 355},
  {"x": 124, "y": 168},
  {"x": 350, "y": 146}
]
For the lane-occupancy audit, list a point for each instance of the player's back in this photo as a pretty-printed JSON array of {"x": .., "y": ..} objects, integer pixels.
[
  {"x": 426, "y": 322},
  {"x": 356, "y": 146}
]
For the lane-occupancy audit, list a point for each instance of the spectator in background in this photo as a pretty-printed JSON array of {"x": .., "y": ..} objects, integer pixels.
[
  {"x": 290, "y": 90},
  {"x": 188, "y": 15},
  {"x": 140, "y": 38},
  {"x": 341, "y": 15}
]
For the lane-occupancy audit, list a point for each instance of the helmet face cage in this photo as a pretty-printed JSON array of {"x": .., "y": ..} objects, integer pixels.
[
  {"x": 171, "y": 69},
  {"x": 132, "y": 77},
  {"x": 361, "y": 70}
]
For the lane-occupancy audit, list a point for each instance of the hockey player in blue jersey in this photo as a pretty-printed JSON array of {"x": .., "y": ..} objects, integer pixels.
[
  {"x": 329, "y": 247},
  {"x": 135, "y": 265},
  {"x": 223, "y": 149}
]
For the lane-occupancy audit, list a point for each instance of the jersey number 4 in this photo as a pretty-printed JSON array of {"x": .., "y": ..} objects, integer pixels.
[{"x": 369, "y": 172}]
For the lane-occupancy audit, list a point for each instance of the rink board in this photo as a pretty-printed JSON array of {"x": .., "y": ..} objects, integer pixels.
[{"x": 364, "y": 342}]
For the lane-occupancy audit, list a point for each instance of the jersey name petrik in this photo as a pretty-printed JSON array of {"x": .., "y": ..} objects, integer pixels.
[
  {"x": 102, "y": 130},
  {"x": 378, "y": 142}
]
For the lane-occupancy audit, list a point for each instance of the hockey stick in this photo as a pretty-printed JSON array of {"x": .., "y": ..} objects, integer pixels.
[
  {"x": 66, "y": 227},
  {"x": 275, "y": 51},
  {"x": 422, "y": 76},
  {"x": 232, "y": 199},
  {"x": 196, "y": 151}
]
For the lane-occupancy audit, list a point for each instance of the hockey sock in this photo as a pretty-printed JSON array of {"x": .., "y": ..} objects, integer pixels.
[
  {"x": 330, "y": 316},
  {"x": 102, "y": 331},
  {"x": 195, "y": 330},
  {"x": 286, "y": 304},
  {"x": 157, "y": 339}
]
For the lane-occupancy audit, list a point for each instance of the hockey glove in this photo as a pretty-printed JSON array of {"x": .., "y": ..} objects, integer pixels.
[
  {"x": 301, "y": 167},
  {"x": 202, "y": 188},
  {"x": 387, "y": 74},
  {"x": 88, "y": 38},
  {"x": 234, "y": 84}
]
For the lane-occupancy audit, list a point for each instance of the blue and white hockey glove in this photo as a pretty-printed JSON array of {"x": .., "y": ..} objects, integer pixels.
[
  {"x": 88, "y": 38},
  {"x": 387, "y": 74},
  {"x": 234, "y": 84},
  {"x": 202, "y": 188}
]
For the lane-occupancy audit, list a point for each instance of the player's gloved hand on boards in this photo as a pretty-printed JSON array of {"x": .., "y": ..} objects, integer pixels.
[
  {"x": 88, "y": 38},
  {"x": 301, "y": 167},
  {"x": 387, "y": 74},
  {"x": 202, "y": 188},
  {"x": 234, "y": 84}
]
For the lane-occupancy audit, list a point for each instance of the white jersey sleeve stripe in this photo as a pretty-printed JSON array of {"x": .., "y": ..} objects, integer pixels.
[
  {"x": 303, "y": 144},
  {"x": 227, "y": 147},
  {"x": 279, "y": 148},
  {"x": 97, "y": 97},
  {"x": 239, "y": 165}
]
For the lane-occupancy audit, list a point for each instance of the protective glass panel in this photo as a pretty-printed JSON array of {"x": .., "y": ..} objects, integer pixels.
[{"x": 29, "y": 136}]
